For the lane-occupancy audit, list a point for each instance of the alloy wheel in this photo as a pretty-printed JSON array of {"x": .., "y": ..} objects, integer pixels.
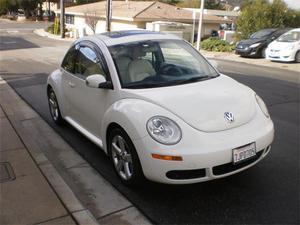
[
  {"x": 121, "y": 157},
  {"x": 297, "y": 58},
  {"x": 53, "y": 106}
]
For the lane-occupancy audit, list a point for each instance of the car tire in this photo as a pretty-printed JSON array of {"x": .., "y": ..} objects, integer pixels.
[
  {"x": 54, "y": 108},
  {"x": 297, "y": 57},
  {"x": 263, "y": 53},
  {"x": 124, "y": 157}
]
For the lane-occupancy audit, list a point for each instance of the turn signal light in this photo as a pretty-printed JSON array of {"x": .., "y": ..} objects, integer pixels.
[{"x": 167, "y": 157}]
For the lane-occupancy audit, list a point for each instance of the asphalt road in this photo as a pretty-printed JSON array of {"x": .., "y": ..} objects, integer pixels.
[{"x": 265, "y": 194}]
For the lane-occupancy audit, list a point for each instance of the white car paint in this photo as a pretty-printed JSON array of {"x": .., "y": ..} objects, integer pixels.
[
  {"x": 198, "y": 109},
  {"x": 283, "y": 51}
]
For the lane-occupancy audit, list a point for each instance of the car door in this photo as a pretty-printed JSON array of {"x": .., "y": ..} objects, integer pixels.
[
  {"x": 67, "y": 70},
  {"x": 88, "y": 105}
]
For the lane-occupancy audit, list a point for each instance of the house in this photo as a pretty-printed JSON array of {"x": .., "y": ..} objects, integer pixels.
[{"x": 128, "y": 15}]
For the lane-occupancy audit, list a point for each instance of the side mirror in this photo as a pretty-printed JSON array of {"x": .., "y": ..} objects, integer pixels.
[{"x": 98, "y": 81}]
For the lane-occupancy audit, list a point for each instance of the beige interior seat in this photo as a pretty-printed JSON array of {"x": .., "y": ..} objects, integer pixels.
[
  {"x": 140, "y": 69},
  {"x": 122, "y": 64}
]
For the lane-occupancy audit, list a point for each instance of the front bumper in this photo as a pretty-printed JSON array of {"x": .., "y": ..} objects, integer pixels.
[
  {"x": 247, "y": 52},
  {"x": 280, "y": 55},
  {"x": 206, "y": 156}
]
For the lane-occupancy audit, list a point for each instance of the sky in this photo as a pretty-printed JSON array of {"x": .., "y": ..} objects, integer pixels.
[{"x": 295, "y": 4}]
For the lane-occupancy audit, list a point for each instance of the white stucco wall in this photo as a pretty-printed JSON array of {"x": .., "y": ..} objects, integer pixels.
[{"x": 83, "y": 29}]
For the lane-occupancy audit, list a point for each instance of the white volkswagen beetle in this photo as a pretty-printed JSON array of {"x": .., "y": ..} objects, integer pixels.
[{"x": 158, "y": 108}]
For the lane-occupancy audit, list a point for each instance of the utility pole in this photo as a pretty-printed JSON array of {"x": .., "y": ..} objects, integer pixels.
[
  {"x": 62, "y": 19},
  {"x": 108, "y": 14},
  {"x": 193, "y": 29},
  {"x": 200, "y": 25}
]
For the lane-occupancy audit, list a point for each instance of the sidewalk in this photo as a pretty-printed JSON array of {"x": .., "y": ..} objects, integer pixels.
[
  {"x": 230, "y": 56},
  {"x": 52, "y": 183},
  {"x": 43, "y": 33},
  {"x": 32, "y": 192}
]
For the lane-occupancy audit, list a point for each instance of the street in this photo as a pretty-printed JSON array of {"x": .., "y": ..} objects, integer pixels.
[{"x": 267, "y": 193}]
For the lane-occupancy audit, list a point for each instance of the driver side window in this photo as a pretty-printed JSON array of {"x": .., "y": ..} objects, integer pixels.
[
  {"x": 68, "y": 62},
  {"x": 87, "y": 63}
]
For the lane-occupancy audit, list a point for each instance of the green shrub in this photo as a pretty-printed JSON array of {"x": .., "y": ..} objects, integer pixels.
[
  {"x": 54, "y": 28},
  {"x": 217, "y": 45},
  {"x": 50, "y": 29}
]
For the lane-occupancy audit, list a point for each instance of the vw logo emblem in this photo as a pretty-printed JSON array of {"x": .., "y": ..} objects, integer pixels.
[{"x": 229, "y": 117}]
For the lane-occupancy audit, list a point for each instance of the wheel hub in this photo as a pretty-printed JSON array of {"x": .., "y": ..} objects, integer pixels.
[{"x": 121, "y": 157}]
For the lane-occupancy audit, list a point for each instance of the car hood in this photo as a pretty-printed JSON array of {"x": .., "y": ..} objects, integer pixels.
[
  {"x": 278, "y": 45},
  {"x": 202, "y": 104},
  {"x": 248, "y": 42}
]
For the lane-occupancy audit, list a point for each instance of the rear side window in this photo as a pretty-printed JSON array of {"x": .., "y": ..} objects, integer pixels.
[{"x": 69, "y": 60}]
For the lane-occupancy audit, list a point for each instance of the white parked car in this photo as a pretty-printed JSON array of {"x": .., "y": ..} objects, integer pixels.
[
  {"x": 286, "y": 48},
  {"x": 158, "y": 108}
]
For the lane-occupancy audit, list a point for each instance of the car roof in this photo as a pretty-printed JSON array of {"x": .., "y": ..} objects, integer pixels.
[
  {"x": 297, "y": 29},
  {"x": 269, "y": 29},
  {"x": 126, "y": 36}
]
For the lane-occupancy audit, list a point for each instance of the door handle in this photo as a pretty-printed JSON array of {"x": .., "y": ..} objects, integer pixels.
[{"x": 71, "y": 84}]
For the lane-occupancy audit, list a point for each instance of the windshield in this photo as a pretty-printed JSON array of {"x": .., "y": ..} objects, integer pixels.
[
  {"x": 261, "y": 33},
  {"x": 158, "y": 63},
  {"x": 291, "y": 36}
]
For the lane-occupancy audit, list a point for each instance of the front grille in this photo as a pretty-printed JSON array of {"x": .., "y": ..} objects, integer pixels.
[
  {"x": 230, "y": 167},
  {"x": 186, "y": 174}
]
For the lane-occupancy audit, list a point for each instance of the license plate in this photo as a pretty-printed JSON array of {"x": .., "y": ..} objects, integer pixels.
[{"x": 243, "y": 153}]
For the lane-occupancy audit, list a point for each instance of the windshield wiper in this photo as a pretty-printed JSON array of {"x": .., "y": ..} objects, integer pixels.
[
  {"x": 146, "y": 85},
  {"x": 193, "y": 79}
]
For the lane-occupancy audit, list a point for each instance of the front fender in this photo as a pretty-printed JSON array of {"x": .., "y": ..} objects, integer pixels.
[
  {"x": 55, "y": 81},
  {"x": 132, "y": 115}
]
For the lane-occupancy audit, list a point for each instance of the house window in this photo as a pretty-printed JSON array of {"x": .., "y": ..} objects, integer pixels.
[{"x": 69, "y": 19}]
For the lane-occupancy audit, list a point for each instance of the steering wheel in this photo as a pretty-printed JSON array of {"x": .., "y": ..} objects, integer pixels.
[{"x": 171, "y": 70}]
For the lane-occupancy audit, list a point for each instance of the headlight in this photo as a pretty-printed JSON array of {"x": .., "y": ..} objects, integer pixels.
[
  {"x": 164, "y": 130},
  {"x": 291, "y": 47},
  {"x": 262, "y": 105},
  {"x": 255, "y": 45}
]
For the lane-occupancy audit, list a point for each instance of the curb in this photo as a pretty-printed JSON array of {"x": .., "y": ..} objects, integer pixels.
[
  {"x": 43, "y": 33},
  {"x": 78, "y": 212}
]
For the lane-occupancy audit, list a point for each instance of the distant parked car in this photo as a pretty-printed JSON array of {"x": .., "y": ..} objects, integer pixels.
[
  {"x": 258, "y": 42},
  {"x": 48, "y": 15},
  {"x": 286, "y": 48},
  {"x": 21, "y": 15},
  {"x": 21, "y": 12}
]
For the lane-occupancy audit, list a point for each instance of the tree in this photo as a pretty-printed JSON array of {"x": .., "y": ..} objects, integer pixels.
[
  {"x": 292, "y": 18},
  {"x": 260, "y": 14},
  {"x": 189, "y": 4},
  {"x": 91, "y": 20},
  {"x": 212, "y": 4},
  {"x": 171, "y": 2},
  {"x": 80, "y": 2},
  {"x": 208, "y": 4},
  {"x": 29, "y": 5},
  {"x": 8, "y": 6}
]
